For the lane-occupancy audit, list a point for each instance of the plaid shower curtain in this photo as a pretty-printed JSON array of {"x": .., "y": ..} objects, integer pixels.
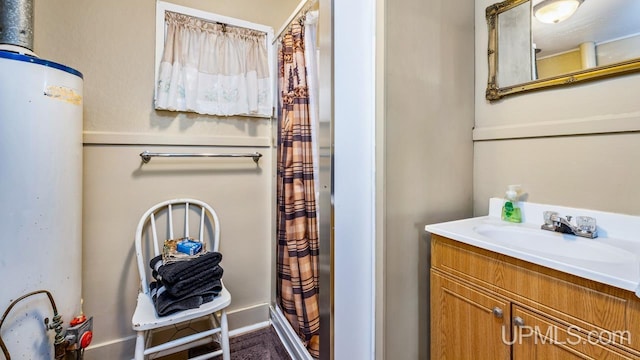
[{"x": 297, "y": 231}]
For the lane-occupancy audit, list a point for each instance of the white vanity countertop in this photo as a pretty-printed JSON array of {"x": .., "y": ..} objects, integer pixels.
[{"x": 612, "y": 258}]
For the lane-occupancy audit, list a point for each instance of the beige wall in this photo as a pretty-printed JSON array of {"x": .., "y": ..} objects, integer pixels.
[
  {"x": 592, "y": 171},
  {"x": 428, "y": 153},
  {"x": 572, "y": 146},
  {"x": 113, "y": 44}
]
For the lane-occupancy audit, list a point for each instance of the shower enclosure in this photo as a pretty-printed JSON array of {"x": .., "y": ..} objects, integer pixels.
[
  {"x": 300, "y": 166},
  {"x": 350, "y": 300}
]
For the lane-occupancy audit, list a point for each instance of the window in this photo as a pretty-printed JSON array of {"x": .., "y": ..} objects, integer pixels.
[{"x": 212, "y": 64}]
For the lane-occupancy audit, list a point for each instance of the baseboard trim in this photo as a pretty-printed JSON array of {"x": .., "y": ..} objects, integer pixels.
[
  {"x": 249, "y": 328},
  {"x": 111, "y": 343},
  {"x": 287, "y": 335}
]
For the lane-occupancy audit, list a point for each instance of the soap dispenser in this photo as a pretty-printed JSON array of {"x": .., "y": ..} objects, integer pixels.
[{"x": 510, "y": 210}]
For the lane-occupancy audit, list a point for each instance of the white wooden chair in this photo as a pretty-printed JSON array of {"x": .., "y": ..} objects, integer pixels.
[{"x": 160, "y": 219}]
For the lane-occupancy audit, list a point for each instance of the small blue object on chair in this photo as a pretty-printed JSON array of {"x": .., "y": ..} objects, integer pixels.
[
  {"x": 160, "y": 218},
  {"x": 189, "y": 247}
]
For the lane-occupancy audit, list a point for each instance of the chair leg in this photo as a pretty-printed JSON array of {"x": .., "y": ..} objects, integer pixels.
[
  {"x": 215, "y": 324},
  {"x": 224, "y": 344},
  {"x": 140, "y": 343}
]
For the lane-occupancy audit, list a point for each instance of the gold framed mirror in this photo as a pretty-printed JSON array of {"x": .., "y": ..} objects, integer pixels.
[{"x": 516, "y": 60}]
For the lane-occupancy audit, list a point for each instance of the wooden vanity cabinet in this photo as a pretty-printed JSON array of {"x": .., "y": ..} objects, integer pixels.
[
  {"x": 486, "y": 305},
  {"x": 463, "y": 319}
]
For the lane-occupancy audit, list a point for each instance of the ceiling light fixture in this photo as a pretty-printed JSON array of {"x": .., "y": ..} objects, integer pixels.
[{"x": 555, "y": 11}]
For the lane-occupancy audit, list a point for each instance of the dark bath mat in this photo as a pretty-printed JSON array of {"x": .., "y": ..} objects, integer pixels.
[{"x": 263, "y": 344}]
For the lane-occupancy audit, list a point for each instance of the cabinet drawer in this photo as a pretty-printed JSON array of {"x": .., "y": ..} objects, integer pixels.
[{"x": 587, "y": 304}]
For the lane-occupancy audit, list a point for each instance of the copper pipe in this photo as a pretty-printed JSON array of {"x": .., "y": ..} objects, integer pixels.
[{"x": 5, "y": 351}]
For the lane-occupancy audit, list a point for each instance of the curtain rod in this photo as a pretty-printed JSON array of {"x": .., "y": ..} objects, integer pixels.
[
  {"x": 303, "y": 5},
  {"x": 217, "y": 22}
]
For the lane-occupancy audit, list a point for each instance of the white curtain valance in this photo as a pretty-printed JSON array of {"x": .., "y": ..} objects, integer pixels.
[{"x": 214, "y": 69}]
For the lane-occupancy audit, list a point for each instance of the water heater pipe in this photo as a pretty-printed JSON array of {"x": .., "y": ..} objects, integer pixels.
[{"x": 16, "y": 23}]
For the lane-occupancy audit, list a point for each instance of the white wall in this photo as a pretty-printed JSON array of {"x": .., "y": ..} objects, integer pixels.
[
  {"x": 618, "y": 50},
  {"x": 354, "y": 184},
  {"x": 572, "y": 146},
  {"x": 113, "y": 44}
]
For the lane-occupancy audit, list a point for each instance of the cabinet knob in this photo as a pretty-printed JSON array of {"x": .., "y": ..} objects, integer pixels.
[
  {"x": 518, "y": 321},
  {"x": 497, "y": 312}
]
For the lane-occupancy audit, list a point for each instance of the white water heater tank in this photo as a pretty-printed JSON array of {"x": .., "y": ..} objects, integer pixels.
[{"x": 40, "y": 198}]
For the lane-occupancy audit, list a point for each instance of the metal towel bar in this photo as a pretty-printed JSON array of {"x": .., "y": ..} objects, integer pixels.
[{"x": 146, "y": 155}]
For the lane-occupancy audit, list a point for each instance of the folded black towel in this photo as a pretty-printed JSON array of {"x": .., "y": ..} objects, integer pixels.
[
  {"x": 181, "y": 270},
  {"x": 208, "y": 279},
  {"x": 166, "y": 304}
]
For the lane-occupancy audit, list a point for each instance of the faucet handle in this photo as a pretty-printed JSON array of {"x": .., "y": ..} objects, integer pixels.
[
  {"x": 586, "y": 224},
  {"x": 549, "y": 217}
]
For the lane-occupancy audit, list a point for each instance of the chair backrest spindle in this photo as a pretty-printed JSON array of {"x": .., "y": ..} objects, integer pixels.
[
  {"x": 186, "y": 220},
  {"x": 201, "y": 230},
  {"x": 156, "y": 251},
  {"x": 170, "y": 214}
]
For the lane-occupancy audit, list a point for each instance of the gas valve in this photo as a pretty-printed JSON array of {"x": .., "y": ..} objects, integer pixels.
[
  {"x": 75, "y": 339},
  {"x": 80, "y": 333}
]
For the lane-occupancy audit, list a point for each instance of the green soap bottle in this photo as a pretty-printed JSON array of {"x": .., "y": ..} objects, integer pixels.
[{"x": 510, "y": 210}]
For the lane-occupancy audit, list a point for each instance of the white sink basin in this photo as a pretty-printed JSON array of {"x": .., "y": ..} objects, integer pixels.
[
  {"x": 556, "y": 245},
  {"x": 612, "y": 258}
]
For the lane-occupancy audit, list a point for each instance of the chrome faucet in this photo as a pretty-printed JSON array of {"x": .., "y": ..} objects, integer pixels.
[{"x": 586, "y": 225}]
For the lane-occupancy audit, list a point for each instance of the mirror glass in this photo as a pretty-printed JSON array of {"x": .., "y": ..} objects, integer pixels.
[
  {"x": 602, "y": 38},
  {"x": 600, "y": 32},
  {"x": 514, "y": 38}
]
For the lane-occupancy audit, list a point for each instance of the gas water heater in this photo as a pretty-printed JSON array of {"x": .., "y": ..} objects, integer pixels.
[{"x": 40, "y": 187}]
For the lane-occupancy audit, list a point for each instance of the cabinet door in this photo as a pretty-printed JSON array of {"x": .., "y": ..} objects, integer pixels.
[
  {"x": 467, "y": 324},
  {"x": 538, "y": 337}
]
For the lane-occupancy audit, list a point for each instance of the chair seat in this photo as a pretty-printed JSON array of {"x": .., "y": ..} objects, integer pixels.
[{"x": 145, "y": 316}]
